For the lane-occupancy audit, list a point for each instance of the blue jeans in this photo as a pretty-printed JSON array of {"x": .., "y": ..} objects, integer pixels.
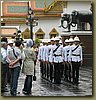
[{"x": 14, "y": 79}]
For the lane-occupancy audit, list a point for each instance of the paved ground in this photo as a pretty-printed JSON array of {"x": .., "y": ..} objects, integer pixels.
[{"x": 42, "y": 87}]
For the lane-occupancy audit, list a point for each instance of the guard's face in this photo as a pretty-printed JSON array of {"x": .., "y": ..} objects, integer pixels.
[
  {"x": 76, "y": 42},
  {"x": 66, "y": 43},
  {"x": 11, "y": 44},
  {"x": 57, "y": 42},
  {"x": 70, "y": 43},
  {"x": 52, "y": 42}
]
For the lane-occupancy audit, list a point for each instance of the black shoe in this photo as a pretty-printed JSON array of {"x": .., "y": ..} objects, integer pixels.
[
  {"x": 26, "y": 93},
  {"x": 14, "y": 93},
  {"x": 77, "y": 83},
  {"x": 56, "y": 82},
  {"x": 4, "y": 90},
  {"x": 51, "y": 81},
  {"x": 17, "y": 92},
  {"x": 69, "y": 81},
  {"x": 66, "y": 80}
]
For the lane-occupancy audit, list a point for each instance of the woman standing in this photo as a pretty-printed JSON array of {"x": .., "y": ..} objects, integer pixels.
[{"x": 28, "y": 67}]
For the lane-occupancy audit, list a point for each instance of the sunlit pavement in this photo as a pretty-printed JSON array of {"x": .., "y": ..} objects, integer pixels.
[{"x": 42, "y": 87}]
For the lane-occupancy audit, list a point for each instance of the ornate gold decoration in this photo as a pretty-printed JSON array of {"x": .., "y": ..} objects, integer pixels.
[{"x": 26, "y": 33}]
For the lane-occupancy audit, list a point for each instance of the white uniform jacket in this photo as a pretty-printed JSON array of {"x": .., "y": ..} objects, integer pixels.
[
  {"x": 45, "y": 53},
  {"x": 49, "y": 52},
  {"x": 66, "y": 52},
  {"x": 57, "y": 56},
  {"x": 40, "y": 53},
  {"x": 76, "y": 55}
]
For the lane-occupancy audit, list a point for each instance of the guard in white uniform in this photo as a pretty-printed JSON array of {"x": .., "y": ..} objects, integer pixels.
[
  {"x": 40, "y": 57},
  {"x": 75, "y": 57},
  {"x": 49, "y": 59},
  {"x": 45, "y": 58},
  {"x": 66, "y": 51},
  {"x": 57, "y": 59},
  {"x": 68, "y": 66}
]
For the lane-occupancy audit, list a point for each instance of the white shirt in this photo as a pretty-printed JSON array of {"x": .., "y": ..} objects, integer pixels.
[
  {"x": 76, "y": 55},
  {"x": 57, "y": 58},
  {"x": 8, "y": 48},
  {"x": 3, "y": 55}
]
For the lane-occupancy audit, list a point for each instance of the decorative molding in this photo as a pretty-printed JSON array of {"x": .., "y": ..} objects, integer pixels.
[
  {"x": 40, "y": 31},
  {"x": 26, "y": 33},
  {"x": 33, "y": 6},
  {"x": 53, "y": 31},
  {"x": 8, "y": 31},
  {"x": 17, "y": 9},
  {"x": 5, "y": 6},
  {"x": 14, "y": 21},
  {"x": 47, "y": 7},
  {"x": 56, "y": 5},
  {"x": 9, "y": 17}
]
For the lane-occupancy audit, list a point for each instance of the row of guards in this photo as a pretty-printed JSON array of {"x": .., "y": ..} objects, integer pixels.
[{"x": 59, "y": 62}]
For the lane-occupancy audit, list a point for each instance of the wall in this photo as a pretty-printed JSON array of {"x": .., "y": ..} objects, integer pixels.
[
  {"x": 78, "y": 5},
  {"x": 47, "y": 24}
]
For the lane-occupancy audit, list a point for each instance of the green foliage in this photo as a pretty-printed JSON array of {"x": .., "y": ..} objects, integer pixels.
[{"x": 37, "y": 41}]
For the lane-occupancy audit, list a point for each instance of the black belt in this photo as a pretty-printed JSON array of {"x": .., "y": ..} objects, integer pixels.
[
  {"x": 57, "y": 55},
  {"x": 75, "y": 55}
]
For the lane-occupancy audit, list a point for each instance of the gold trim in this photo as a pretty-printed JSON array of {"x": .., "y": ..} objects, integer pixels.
[
  {"x": 40, "y": 31},
  {"x": 13, "y": 16},
  {"x": 26, "y": 33},
  {"x": 53, "y": 31}
]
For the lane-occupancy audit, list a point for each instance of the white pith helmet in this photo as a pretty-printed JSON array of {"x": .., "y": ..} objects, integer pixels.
[
  {"x": 10, "y": 41},
  {"x": 57, "y": 39},
  {"x": 66, "y": 41},
  {"x": 71, "y": 40},
  {"x": 52, "y": 39},
  {"x": 60, "y": 41},
  {"x": 76, "y": 39}
]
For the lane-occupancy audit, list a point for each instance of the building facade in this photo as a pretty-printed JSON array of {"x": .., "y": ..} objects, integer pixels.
[{"x": 48, "y": 13}]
